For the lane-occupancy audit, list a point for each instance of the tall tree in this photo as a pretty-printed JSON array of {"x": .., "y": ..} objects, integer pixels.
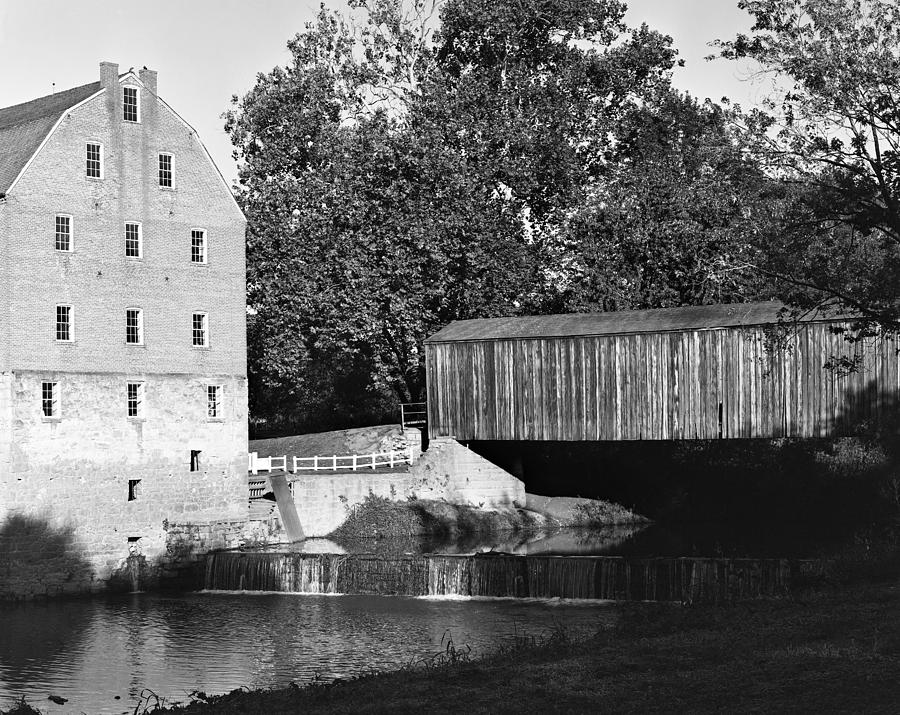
[
  {"x": 393, "y": 185},
  {"x": 829, "y": 139},
  {"x": 671, "y": 222}
]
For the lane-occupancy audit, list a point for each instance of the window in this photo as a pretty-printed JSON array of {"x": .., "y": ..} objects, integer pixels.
[
  {"x": 64, "y": 323},
  {"x": 134, "y": 326},
  {"x": 214, "y": 401},
  {"x": 50, "y": 399},
  {"x": 94, "y": 168},
  {"x": 133, "y": 247},
  {"x": 195, "y": 460},
  {"x": 135, "y": 396},
  {"x": 198, "y": 245},
  {"x": 63, "y": 232},
  {"x": 200, "y": 336},
  {"x": 130, "y": 110},
  {"x": 133, "y": 491},
  {"x": 165, "y": 170}
]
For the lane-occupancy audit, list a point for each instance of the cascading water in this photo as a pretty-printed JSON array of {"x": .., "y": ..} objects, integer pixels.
[{"x": 502, "y": 575}]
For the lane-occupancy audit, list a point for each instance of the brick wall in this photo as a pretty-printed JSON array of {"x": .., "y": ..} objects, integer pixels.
[
  {"x": 69, "y": 477},
  {"x": 96, "y": 278}
]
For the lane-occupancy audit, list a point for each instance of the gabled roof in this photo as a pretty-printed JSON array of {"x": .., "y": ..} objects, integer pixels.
[
  {"x": 24, "y": 126},
  {"x": 701, "y": 317}
]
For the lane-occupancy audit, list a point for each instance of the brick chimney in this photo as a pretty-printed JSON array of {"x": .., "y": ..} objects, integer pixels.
[
  {"x": 148, "y": 77},
  {"x": 109, "y": 75}
]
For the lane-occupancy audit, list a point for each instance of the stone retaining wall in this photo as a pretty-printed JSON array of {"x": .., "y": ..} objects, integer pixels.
[{"x": 448, "y": 471}]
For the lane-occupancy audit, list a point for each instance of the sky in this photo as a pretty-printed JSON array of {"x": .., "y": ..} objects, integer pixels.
[{"x": 206, "y": 51}]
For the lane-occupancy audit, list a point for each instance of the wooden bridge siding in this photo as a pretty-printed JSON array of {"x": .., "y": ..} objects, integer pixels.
[{"x": 654, "y": 386}]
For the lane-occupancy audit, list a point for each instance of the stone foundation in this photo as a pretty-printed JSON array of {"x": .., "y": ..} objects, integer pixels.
[
  {"x": 92, "y": 487},
  {"x": 446, "y": 472}
]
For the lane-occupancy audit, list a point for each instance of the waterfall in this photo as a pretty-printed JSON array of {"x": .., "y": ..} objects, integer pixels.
[{"x": 502, "y": 575}]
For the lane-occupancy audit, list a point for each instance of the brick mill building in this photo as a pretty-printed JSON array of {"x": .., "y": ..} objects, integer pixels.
[{"x": 123, "y": 398}]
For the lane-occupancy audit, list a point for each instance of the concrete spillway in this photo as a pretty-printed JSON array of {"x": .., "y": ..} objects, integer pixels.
[{"x": 503, "y": 575}]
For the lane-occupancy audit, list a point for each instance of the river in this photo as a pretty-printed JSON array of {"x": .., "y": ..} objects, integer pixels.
[{"x": 101, "y": 654}]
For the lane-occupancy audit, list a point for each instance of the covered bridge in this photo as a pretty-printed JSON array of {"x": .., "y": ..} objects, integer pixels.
[{"x": 709, "y": 372}]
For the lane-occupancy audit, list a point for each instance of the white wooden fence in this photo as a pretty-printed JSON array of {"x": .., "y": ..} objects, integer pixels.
[
  {"x": 352, "y": 462},
  {"x": 257, "y": 464}
]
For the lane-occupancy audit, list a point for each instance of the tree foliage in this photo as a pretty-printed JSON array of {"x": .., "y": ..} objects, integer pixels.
[
  {"x": 517, "y": 156},
  {"x": 829, "y": 140},
  {"x": 669, "y": 224}
]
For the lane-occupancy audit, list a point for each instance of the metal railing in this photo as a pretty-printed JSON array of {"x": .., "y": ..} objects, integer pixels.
[{"x": 413, "y": 414}]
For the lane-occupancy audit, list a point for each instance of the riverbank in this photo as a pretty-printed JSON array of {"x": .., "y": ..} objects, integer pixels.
[
  {"x": 835, "y": 649},
  {"x": 385, "y": 526}
]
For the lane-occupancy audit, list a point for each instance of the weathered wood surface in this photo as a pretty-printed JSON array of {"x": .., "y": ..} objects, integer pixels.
[
  {"x": 689, "y": 384},
  {"x": 286, "y": 507}
]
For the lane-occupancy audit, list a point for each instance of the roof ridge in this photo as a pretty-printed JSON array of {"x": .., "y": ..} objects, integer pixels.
[
  {"x": 56, "y": 103},
  {"x": 25, "y": 126},
  {"x": 680, "y": 318}
]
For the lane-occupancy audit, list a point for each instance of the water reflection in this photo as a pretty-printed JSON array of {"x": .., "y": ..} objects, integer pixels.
[
  {"x": 730, "y": 540},
  {"x": 34, "y": 637},
  {"x": 217, "y": 642}
]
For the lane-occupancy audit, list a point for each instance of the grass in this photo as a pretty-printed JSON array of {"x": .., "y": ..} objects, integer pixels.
[
  {"x": 597, "y": 514},
  {"x": 380, "y": 525},
  {"x": 361, "y": 440},
  {"x": 834, "y": 650},
  {"x": 20, "y": 707}
]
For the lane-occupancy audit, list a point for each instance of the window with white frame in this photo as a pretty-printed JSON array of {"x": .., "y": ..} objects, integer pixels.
[
  {"x": 199, "y": 332},
  {"x": 94, "y": 159},
  {"x": 50, "y": 399},
  {"x": 63, "y": 232},
  {"x": 130, "y": 104},
  {"x": 64, "y": 323},
  {"x": 133, "y": 240},
  {"x": 214, "y": 401},
  {"x": 198, "y": 245},
  {"x": 165, "y": 170},
  {"x": 135, "y": 398},
  {"x": 134, "y": 326}
]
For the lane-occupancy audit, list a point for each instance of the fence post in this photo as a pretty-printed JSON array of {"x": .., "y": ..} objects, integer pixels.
[
  {"x": 253, "y": 468},
  {"x": 316, "y": 463},
  {"x": 354, "y": 462},
  {"x": 333, "y": 462},
  {"x": 392, "y": 459}
]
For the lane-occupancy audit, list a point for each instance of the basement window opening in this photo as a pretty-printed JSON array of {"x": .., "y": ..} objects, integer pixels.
[
  {"x": 195, "y": 460},
  {"x": 133, "y": 495}
]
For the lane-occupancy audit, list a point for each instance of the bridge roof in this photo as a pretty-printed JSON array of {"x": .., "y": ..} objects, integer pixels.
[{"x": 701, "y": 317}]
